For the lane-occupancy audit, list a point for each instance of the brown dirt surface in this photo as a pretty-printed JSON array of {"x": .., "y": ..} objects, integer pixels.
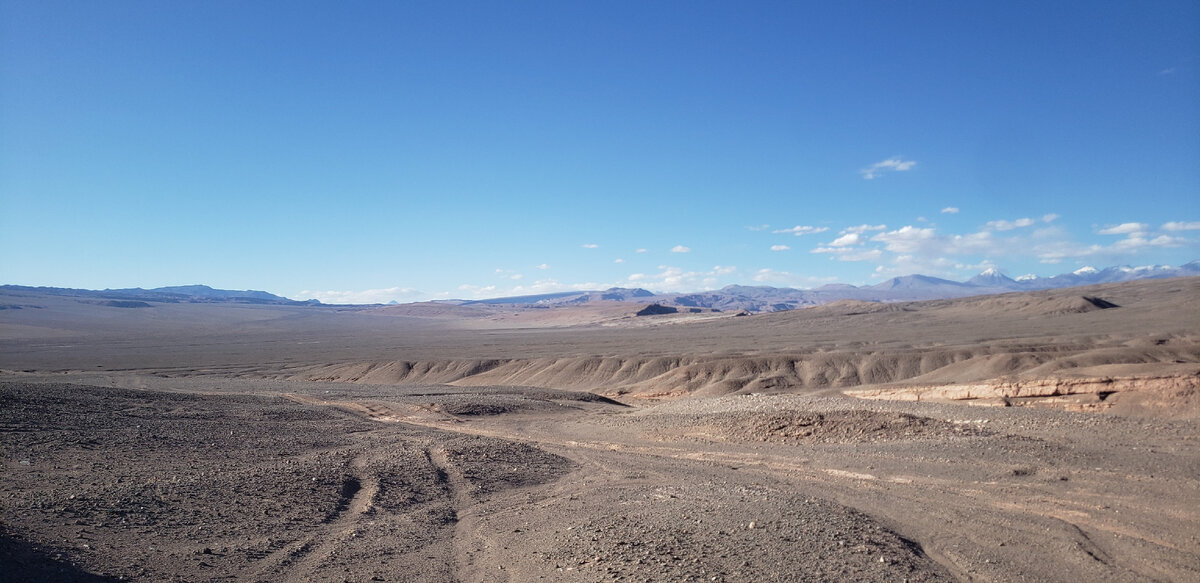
[
  {"x": 305, "y": 443},
  {"x": 794, "y": 427}
]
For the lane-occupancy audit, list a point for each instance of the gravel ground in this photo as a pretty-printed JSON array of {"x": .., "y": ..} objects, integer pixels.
[{"x": 157, "y": 479}]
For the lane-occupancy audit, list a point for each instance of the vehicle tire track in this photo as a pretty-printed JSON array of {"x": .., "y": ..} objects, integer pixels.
[
  {"x": 301, "y": 560},
  {"x": 467, "y": 543}
]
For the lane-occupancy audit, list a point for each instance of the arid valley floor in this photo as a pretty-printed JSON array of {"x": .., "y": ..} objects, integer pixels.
[{"x": 1044, "y": 436}]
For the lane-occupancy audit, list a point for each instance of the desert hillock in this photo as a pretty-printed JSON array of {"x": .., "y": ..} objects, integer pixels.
[{"x": 657, "y": 310}]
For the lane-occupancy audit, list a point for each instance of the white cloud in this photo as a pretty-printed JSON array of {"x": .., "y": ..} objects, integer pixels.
[
  {"x": 1058, "y": 247},
  {"x": 864, "y": 228},
  {"x": 850, "y": 253},
  {"x": 478, "y": 291},
  {"x": 890, "y": 165},
  {"x": 590, "y": 246},
  {"x": 924, "y": 249},
  {"x": 680, "y": 249},
  {"x": 759, "y": 227},
  {"x": 950, "y": 210},
  {"x": 984, "y": 265},
  {"x": 1168, "y": 241},
  {"x": 800, "y": 230},
  {"x": 1010, "y": 225},
  {"x": 1137, "y": 241},
  {"x": 1125, "y": 229},
  {"x": 848, "y": 239},
  {"x": 1181, "y": 226},
  {"x": 676, "y": 279},
  {"x": 1052, "y": 245},
  {"x": 914, "y": 248},
  {"x": 541, "y": 286},
  {"x": 640, "y": 251},
  {"x": 544, "y": 286},
  {"x": 909, "y": 264},
  {"x": 768, "y": 275},
  {"x": 907, "y": 239},
  {"x": 366, "y": 296},
  {"x": 974, "y": 243}
]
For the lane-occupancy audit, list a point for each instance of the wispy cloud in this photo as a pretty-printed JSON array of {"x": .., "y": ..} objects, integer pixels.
[
  {"x": 913, "y": 249},
  {"x": 759, "y": 227},
  {"x": 681, "y": 249},
  {"x": 800, "y": 230},
  {"x": 773, "y": 276},
  {"x": 477, "y": 291},
  {"x": 1010, "y": 225},
  {"x": 590, "y": 246},
  {"x": 848, "y": 239},
  {"x": 1137, "y": 239},
  {"x": 676, "y": 279},
  {"x": 618, "y": 260},
  {"x": 906, "y": 239},
  {"x": 640, "y": 251},
  {"x": 1124, "y": 229},
  {"x": 863, "y": 228},
  {"x": 541, "y": 286},
  {"x": 366, "y": 296},
  {"x": 950, "y": 210},
  {"x": 1181, "y": 226},
  {"x": 780, "y": 247},
  {"x": 908, "y": 264},
  {"x": 896, "y": 164},
  {"x": 543, "y": 266},
  {"x": 850, "y": 253}
]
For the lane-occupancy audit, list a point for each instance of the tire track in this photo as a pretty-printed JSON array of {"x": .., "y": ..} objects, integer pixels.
[
  {"x": 467, "y": 543},
  {"x": 302, "y": 560}
]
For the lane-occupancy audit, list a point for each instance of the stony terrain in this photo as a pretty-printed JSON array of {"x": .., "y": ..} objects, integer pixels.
[{"x": 267, "y": 443}]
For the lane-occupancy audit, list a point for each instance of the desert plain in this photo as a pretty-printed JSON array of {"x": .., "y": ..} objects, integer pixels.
[{"x": 1041, "y": 436}]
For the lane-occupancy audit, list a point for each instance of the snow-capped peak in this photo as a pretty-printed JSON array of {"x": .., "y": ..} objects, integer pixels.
[
  {"x": 1086, "y": 270},
  {"x": 990, "y": 272}
]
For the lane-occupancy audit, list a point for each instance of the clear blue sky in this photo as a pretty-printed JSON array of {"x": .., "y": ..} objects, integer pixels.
[{"x": 370, "y": 151}]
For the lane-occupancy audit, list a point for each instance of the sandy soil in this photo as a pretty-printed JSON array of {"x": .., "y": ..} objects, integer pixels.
[{"x": 272, "y": 443}]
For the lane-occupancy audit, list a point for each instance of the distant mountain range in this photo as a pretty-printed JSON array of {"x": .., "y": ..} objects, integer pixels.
[
  {"x": 174, "y": 294},
  {"x": 733, "y": 297},
  {"x": 897, "y": 289}
]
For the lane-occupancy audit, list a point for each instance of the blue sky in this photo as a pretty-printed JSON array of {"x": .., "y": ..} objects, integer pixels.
[{"x": 371, "y": 151}]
